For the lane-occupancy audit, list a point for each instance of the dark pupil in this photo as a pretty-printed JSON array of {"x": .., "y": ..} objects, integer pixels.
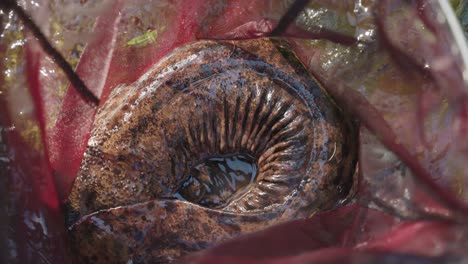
[{"x": 218, "y": 180}]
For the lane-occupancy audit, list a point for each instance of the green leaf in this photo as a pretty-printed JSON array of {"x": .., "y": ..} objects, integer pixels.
[{"x": 144, "y": 39}]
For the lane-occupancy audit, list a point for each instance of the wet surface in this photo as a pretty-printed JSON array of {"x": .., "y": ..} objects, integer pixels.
[
  {"x": 237, "y": 130},
  {"x": 390, "y": 26},
  {"x": 218, "y": 180}
]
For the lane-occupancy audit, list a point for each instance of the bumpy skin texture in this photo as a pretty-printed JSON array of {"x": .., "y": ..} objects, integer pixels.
[{"x": 207, "y": 99}]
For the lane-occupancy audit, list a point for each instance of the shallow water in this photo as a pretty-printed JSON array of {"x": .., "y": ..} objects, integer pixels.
[{"x": 216, "y": 181}]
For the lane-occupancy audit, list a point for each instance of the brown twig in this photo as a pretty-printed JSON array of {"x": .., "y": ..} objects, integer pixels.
[
  {"x": 289, "y": 17},
  {"x": 56, "y": 56},
  {"x": 373, "y": 120}
]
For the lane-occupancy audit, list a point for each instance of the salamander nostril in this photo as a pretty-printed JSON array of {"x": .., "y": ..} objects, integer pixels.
[{"x": 216, "y": 181}]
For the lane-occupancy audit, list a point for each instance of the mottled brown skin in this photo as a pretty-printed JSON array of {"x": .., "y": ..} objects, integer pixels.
[{"x": 206, "y": 99}]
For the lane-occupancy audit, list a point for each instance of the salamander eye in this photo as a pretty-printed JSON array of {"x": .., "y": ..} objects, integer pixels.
[{"x": 234, "y": 126}]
